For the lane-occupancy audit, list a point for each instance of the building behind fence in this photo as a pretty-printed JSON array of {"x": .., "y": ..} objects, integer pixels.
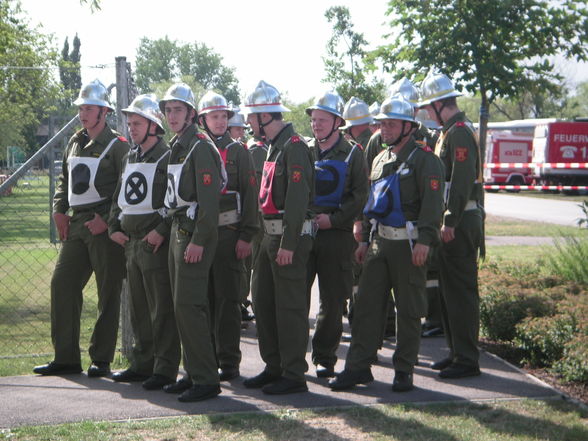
[{"x": 29, "y": 244}]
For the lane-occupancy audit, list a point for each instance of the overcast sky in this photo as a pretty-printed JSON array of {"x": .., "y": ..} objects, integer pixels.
[{"x": 281, "y": 42}]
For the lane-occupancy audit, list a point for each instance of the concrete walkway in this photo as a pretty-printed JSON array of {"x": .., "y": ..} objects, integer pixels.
[
  {"x": 36, "y": 400},
  {"x": 534, "y": 209}
]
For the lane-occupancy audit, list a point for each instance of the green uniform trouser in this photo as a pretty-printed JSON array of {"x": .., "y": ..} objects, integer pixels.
[
  {"x": 331, "y": 260},
  {"x": 434, "y": 314},
  {"x": 190, "y": 293},
  {"x": 388, "y": 266},
  {"x": 280, "y": 306},
  {"x": 80, "y": 255},
  {"x": 226, "y": 276},
  {"x": 458, "y": 263},
  {"x": 157, "y": 343}
]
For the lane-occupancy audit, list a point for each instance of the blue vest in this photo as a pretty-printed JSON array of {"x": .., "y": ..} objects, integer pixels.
[
  {"x": 330, "y": 181},
  {"x": 384, "y": 203}
]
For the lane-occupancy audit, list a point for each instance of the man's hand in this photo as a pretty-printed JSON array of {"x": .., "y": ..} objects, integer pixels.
[
  {"x": 120, "y": 238},
  {"x": 323, "y": 221},
  {"x": 284, "y": 257},
  {"x": 154, "y": 239},
  {"x": 360, "y": 252},
  {"x": 420, "y": 253},
  {"x": 242, "y": 249},
  {"x": 447, "y": 233},
  {"x": 97, "y": 225},
  {"x": 193, "y": 253},
  {"x": 62, "y": 224}
]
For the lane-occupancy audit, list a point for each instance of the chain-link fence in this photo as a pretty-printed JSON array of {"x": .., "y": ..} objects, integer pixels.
[{"x": 29, "y": 245}]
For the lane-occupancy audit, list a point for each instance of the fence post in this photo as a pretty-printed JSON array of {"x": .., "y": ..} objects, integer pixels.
[{"x": 122, "y": 101}]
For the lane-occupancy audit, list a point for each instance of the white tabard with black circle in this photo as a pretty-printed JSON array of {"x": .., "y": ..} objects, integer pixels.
[
  {"x": 82, "y": 174},
  {"x": 136, "y": 192}
]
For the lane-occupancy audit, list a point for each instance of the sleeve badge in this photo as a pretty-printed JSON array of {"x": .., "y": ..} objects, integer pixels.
[
  {"x": 434, "y": 184},
  {"x": 461, "y": 154},
  {"x": 206, "y": 179},
  {"x": 296, "y": 176}
]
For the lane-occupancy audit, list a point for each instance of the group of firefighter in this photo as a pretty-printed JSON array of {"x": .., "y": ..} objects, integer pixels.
[{"x": 376, "y": 201}]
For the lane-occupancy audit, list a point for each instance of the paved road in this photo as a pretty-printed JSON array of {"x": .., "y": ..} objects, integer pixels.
[
  {"x": 535, "y": 209},
  {"x": 36, "y": 400}
]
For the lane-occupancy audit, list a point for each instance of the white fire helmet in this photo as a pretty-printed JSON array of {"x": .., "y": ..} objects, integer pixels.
[
  {"x": 264, "y": 99},
  {"x": 94, "y": 93},
  {"x": 356, "y": 112},
  {"x": 436, "y": 86},
  {"x": 212, "y": 101},
  {"x": 407, "y": 89},
  {"x": 178, "y": 92},
  {"x": 396, "y": 107},
  {"x": 146, "y": 106},
  {"x": 330, "y": 102}
]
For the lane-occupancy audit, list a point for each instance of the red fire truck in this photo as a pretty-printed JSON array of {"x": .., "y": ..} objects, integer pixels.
[
  {"x": 504, "y": 146},
  {"x": 563, "y": 146}
]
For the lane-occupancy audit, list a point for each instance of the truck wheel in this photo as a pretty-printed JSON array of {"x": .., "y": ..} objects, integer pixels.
[{"x": 515, "y": 180}]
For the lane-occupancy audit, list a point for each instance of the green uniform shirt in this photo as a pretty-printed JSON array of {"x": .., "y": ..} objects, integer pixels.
[
  {"x": 364, "y": 138},
  {"x": 200, "y": 182},
  {"x": 425, "y": 136},
  {"x": 241, "y": 178},
  {"x": 293, "y": 185},
  {"x": 460, "y": 154},
  {"x": 356, "y": 184},
  {"x": 108, "y": 172},
  {"x": 258, "y": 152},
  {"x": 143, "y": 223},
  {"x": 421, "y": 188}
]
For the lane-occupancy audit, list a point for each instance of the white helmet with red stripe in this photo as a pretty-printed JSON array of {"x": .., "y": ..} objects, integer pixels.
[{"x": 264, "y": 99}]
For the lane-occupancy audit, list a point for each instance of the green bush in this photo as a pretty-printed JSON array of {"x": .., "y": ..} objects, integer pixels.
[
  {"x": 573, "y": 366},
  {"x": 543, "y": 339},
  {"x": 501, "y": 311},
  {"x": 569, "y": 259}
]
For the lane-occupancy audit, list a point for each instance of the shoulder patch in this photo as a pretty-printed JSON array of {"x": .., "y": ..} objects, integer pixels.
[
  {"x": 460, "y": 124},
  {"x": 295, "y": 138},
  {"x": 427, "y": 149},
  {"x": 122, "y": 138},
  {"x": 360, "y": 146},
  {"x": 200, "y": 135}
]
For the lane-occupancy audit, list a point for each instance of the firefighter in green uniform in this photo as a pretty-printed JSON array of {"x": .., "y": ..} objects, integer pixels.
[
  {"x": 462, "y": 229},
  {"x": 136, "y": 223},
  {"x": 258, "y": 151},
  {"x": 427, "y": 137},
  {"x": 92, "y": 166},
  {"x": 340, "y": 194},
  {"x": 279, "y": 282},
  {"x": 237, "y": 128},
  {"x": 237, "y": 224},
  {"x": 358, "y": 120},
  {"x": 194, "y": 180},
  {"x": 405, "y": 206}
]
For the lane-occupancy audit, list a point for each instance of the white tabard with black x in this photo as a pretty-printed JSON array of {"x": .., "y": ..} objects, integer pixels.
[
  {"x": 82, "y": 174},
  {"x": 136, "y": 192}
]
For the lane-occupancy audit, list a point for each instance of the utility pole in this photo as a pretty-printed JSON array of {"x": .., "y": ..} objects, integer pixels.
[{"x": 122, "y": 101}]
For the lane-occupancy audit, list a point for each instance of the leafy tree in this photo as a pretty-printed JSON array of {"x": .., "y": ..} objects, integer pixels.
[
  {"x": 27, "y": 88},
  {"x": 298, "y": 116},
  {"x": 165, "y": 60},
  {"x": 344, "y": 64},
  {"x": 497, "y": 49},
  {"x": 70, "y": 72}
]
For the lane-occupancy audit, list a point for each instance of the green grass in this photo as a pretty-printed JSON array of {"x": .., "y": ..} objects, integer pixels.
[
  {"x": 551, "y": 420},
  {"x": 504, "y": 226},
  {"x": 517, "y": 253}
]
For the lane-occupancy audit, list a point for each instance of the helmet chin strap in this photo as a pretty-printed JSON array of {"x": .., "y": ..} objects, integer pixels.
[
  {"x": 262, "y": 133},
  {"x": 438, "y": 112},
  {"x": 147, "y": 133},
  {"x": 333, "y": 130},
  {"x": 98, "y": 118},
  {"x": 401, "y": 136}
]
